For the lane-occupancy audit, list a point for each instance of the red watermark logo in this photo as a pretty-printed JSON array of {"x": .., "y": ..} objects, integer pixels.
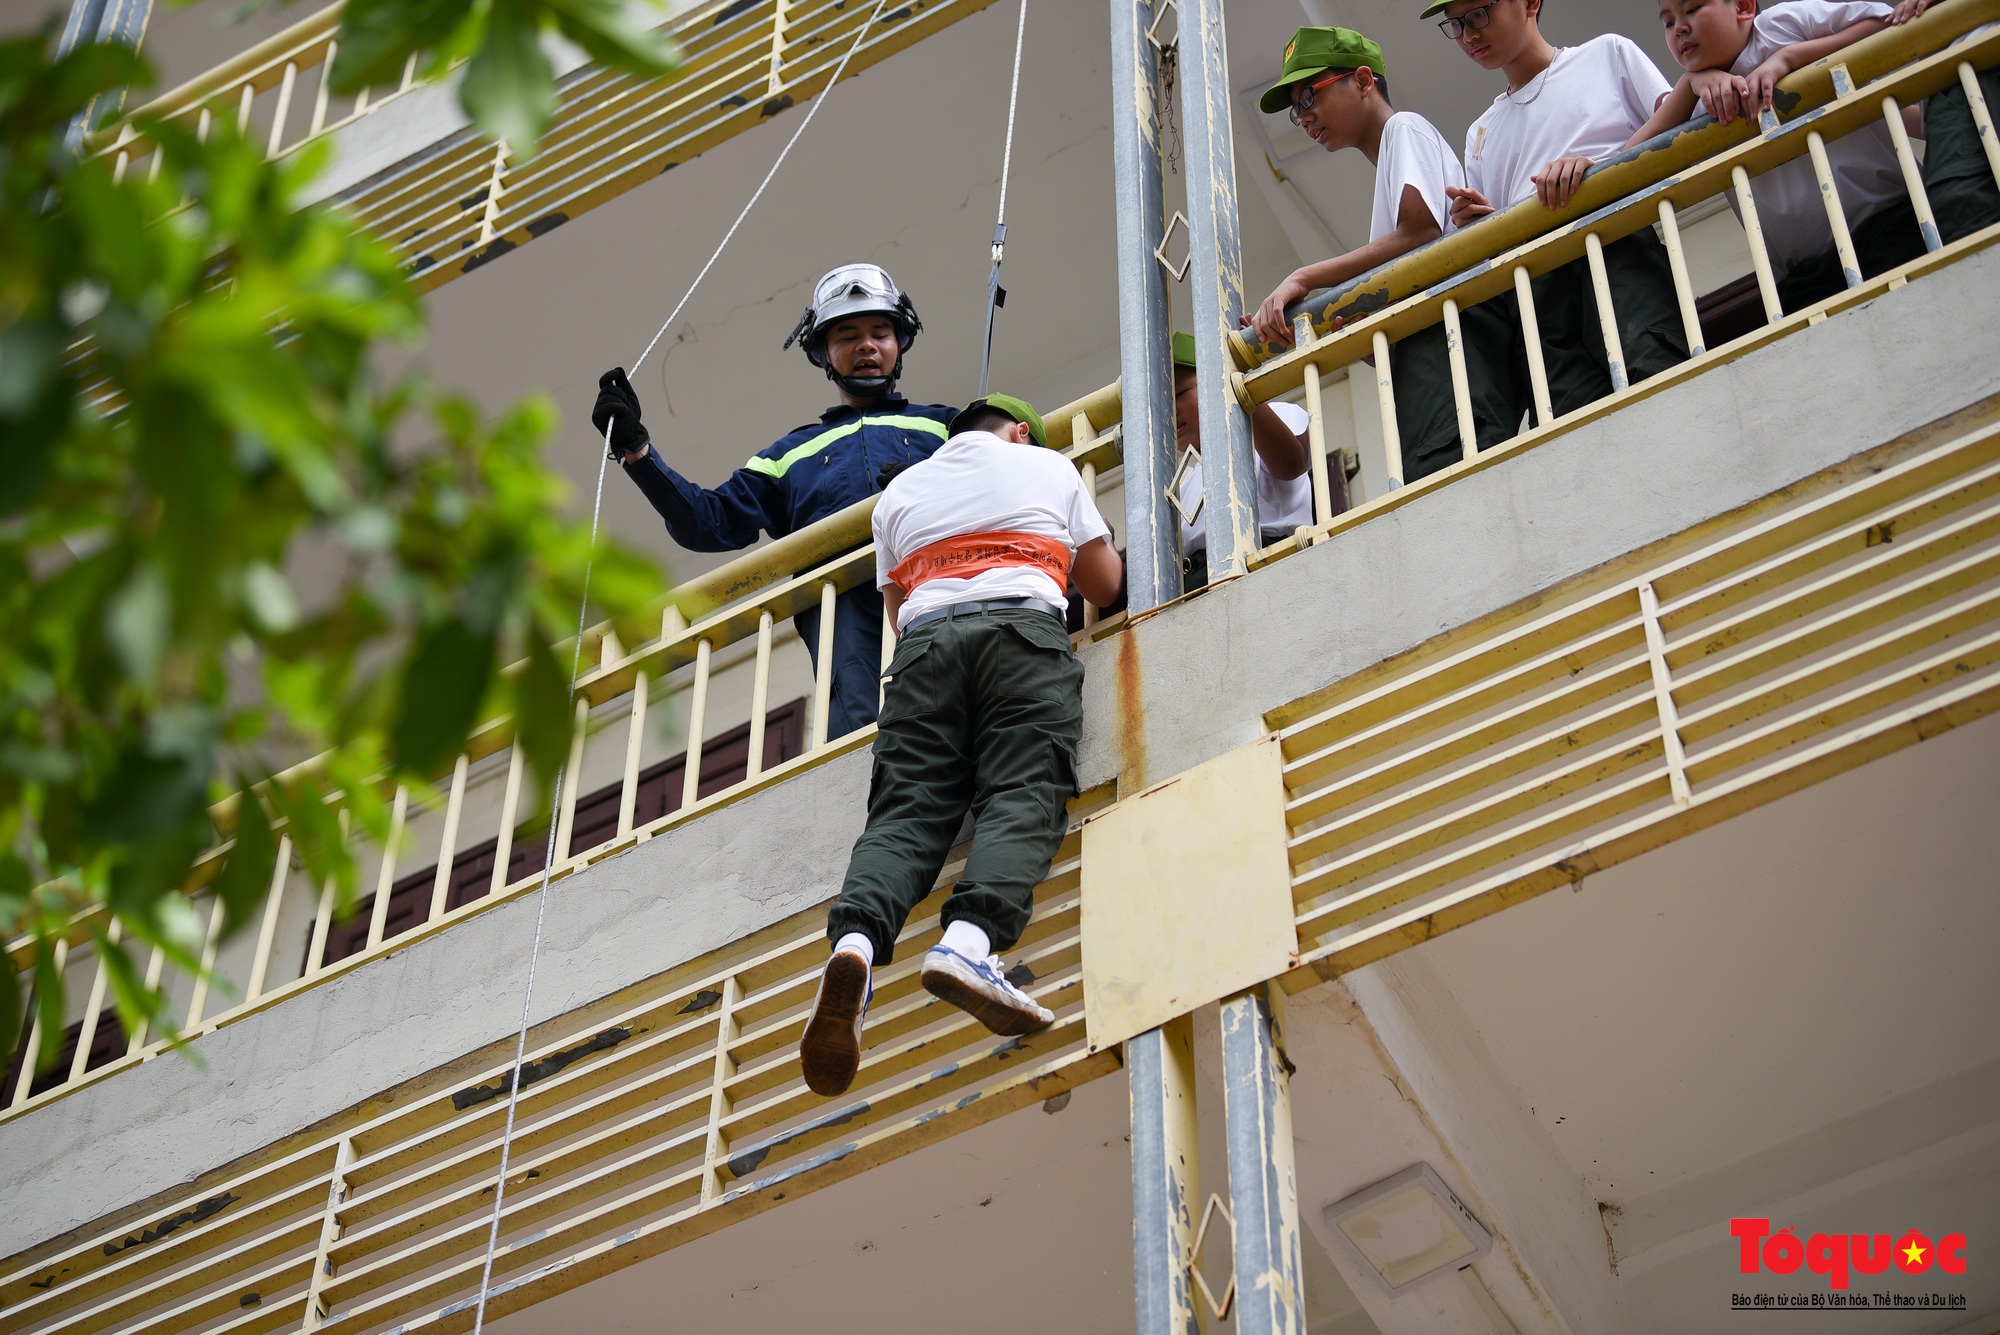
[{"x": 1835, "y": 1255}]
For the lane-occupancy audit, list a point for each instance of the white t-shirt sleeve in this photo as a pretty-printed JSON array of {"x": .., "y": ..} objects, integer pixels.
[
  {"x": 1086, "y": 525},
  {"x": 1295, "y": 418},
  {"x": 886, "y": 557},
  {"x": 1413, "y": 153},
  {"x": 1808, "y": 20}
]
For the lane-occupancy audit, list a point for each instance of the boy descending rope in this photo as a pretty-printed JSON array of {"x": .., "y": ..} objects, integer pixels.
[{"x": 981, "y": 712}]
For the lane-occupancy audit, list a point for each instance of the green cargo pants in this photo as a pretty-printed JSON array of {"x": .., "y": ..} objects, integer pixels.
[
  {"x": 1957, "y": 176},
  {"x": 1427, "y": 409},
  {"x": 982, "y": 714}
]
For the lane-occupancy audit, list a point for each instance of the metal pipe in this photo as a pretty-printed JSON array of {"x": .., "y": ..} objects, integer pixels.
[
  {"x": 697, "y": 720},
  {"x": 1322, "y": 472},
  {"x": 385, "y": 876},
  {"x": 79, "y": 1062},
  {"x": 760, "y": 695},
  {"x": 267, "y": 931},
  {"x": 1385, "y": 400},
  {"x": 1760, "y": 255},
  {"x": 823, "y": 688},
  {"x": 510, "y": 802},
  {"x": 1263, "y": 1182},
  {"x": 1836, "y": 216},
  {"x": 1670, "y": 234},
  {"x": 454, "y": 808},
  {"x": 1982, "y": 116},
  {"x": 1531, "y": 336},
  {"x": 1607, "y": 316},
  {"x": 1913, "y": 174},
  {"x": 283, "y": 111},
  {"x": 1145, "y": 333},
  {"x": 198, "y": 1002},
  {"x": 155, "y": 966},
  {"x": 1461, "y": 381},
  {"x": 635, "y": 740},
  {"x": 323, "y": 918},
  {"x": 1216, "y": 288},
  {"x": 1166, "y": 1176}
]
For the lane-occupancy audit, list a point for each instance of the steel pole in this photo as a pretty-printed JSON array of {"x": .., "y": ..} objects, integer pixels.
[
  {"x": 1216, "y": 283},
  {"x": 1145, "y": 333},
  {"x": 1263, "y": 1183},
  {"x": 1166, "y": 1176}
]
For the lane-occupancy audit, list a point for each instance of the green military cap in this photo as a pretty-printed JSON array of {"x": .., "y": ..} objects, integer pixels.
[
  {"x": 1184, "y": 350},
  {"x": 1435, "y": 8},
  {"x": 1019, "y": 409},
  {"x": 1314, "y": 51}
]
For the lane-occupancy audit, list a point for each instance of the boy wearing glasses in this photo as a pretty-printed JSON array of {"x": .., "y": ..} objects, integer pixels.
[
  {"x": 1336, "y": 84},
  {"x": 1563, "y": 110},
  {"x": 1734, "y": 57}
]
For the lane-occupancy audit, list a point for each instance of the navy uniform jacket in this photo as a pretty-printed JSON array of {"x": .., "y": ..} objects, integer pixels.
[{"x": 804, "y": 476}]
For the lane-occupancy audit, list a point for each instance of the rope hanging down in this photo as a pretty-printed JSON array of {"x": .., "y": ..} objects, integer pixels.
[
  {"x": 576, "y": 660},
  {"x": 996, "y": 295}
]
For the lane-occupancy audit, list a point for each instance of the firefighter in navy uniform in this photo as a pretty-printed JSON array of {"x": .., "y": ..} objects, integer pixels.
[{"x": 858, "y": 329}]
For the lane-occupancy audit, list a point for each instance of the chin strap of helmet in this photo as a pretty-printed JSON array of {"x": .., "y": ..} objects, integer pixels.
[{"x": 871, "y": 386}]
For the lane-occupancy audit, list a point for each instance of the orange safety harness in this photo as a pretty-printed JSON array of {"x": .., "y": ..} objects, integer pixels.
[{"x": 976, "y": 553}]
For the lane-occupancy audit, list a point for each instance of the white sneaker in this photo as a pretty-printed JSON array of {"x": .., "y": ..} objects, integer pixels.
[
  {"x": 830, "y": 1048},
  {"x": 980, "y": 989}
]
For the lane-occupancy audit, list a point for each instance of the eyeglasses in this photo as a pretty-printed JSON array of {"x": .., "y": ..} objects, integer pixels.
[
  {"x": 1472, "y": 20},
  {"x": 1304, "y": 104}
]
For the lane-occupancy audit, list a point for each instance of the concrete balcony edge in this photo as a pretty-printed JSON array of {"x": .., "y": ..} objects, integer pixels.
[{"x": 1180, "y": 687}]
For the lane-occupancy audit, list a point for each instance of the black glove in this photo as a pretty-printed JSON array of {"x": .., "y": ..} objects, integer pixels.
[{"x": 618, "y": 405}]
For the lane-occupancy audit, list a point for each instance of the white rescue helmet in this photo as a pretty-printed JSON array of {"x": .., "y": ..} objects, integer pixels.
[{"x": 855, "y": 289}]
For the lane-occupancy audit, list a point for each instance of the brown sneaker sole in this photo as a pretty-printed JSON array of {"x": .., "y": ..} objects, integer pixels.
[
  {"x": 830, "y": 1048},
  {"x": 1002, "y": 1020}
]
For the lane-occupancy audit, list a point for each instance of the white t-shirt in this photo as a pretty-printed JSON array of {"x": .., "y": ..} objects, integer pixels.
[
  {"x": 1865, "y": 171},
  {"x": 1413, "y": 153},
  {"x": 1280, "y": 504},
  {"x": 979, "y": 483},
  {"x": 1586, "y": 104}
]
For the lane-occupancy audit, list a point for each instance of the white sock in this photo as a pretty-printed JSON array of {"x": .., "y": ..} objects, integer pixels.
[
  {"x": 967, "y": 940},
  {"x": 859, "y": 944}
]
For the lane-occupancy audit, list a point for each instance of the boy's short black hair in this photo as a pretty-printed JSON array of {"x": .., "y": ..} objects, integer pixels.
[{"x": 984, "y": 419}]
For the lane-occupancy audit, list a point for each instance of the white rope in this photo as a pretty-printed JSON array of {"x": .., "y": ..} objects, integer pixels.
[
  {"x": 993, "y": 293},
  {"x": 576, "y": 663}
]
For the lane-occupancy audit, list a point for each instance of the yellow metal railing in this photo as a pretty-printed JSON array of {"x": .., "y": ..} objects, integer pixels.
[{"x": 461, "y": 200}]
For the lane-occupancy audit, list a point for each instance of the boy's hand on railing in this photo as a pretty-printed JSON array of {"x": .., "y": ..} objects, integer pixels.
[
  {"x": 1726, "y": 96},
  {"x": 1761, "y": 82},
  {"x": 1269, "y": 318},
  {"x": 1556, "y": 182},
  {"x": 1467, "y": 206},
  {"x": 1908, "y": 10}
]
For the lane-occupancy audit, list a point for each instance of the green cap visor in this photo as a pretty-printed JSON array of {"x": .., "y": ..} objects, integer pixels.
[
  {"x": 1184, "y": 350},
  {"x": 1435, "y": 8},
  {"x": 1019, "y": 409},
  {"x": 1313, "y": 52}
]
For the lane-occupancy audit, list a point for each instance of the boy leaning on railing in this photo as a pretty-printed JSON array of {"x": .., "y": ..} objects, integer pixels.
[
  {"x": 1734, "y": 57},
  {"x": 1564, "y": 109},
  {"x": 1958, "y": 177}
]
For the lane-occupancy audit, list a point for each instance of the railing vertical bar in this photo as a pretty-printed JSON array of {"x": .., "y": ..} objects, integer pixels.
[
  {"x": 1836, "y": 215},
  {"x": 454, "y": 809},
  {"x": 760, "y": 694},
  {"x": 1461, "y": 381},
  {"x": 1982, "y": 116},
  {"x": 323, "y": 918},
  {"x": 385, "y": 876},
  {"x": 1531, "y": 337},
  {"x": 778, "y": 17},
  {"x": 1607, "y": 316},
  {"x": 211, "y": 943},
  {"x": 1663, "y": 695},
  {"x": 1913, "y": 174},
  {"x": 155, "y": 967},
  {"x": 1322, "y": 473},
  {"x": 697, "y": 722},
  {"x": 409, "y": 73},
  {"x": 823, "y": 687},
  {"x": 31, "y": 1055},
  {"x": 717, "y": 1146},
  {"x": 510, "y": 804},
  {"x": 243, "y": 103},
  {"x": 579, "y": 734},
  {"x": 324, "y": 91},
  {"x": 495, "y": 186},
  {"x": 267, "y": 931},
  {"x": 201, "y": 124},
  {"x": 99, "y": 984},
  {"x": 635, "y": 741},
  {"x": 1670, "y": 232},
  {"x": 360, "y": 107},
  {"x": 1760, "y": 256},
  {"x": 1385, "y": 396},
  {"x": 329, "y": 1233},
  {"x": 283, "y": 111}
]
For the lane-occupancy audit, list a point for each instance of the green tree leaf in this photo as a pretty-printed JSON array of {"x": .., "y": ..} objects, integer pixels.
[
  {"x": 509, "y": 87},
  {"x": 443, "y": 688},
  {"x": 246, "y": 875}
]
